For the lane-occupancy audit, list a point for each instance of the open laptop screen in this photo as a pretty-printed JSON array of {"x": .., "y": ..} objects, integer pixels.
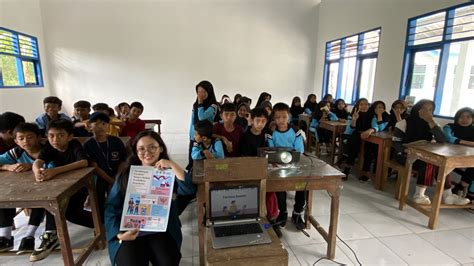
[{"x": 234, "y": 203}]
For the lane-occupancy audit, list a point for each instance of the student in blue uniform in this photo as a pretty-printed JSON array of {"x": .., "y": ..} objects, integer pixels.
[{"x": 205, "y": 146}]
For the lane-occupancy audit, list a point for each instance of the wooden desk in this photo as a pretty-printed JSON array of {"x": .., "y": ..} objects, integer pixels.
[
  {"x": 21, "y": 190},
  {"x": 447, "y": 157},
  {"x": 337, "y": 128},
  {"x": 312, "y": 174},
  {"x": 384, "y": 141}
]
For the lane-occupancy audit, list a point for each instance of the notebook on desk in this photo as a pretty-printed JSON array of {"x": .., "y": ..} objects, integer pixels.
[{"x": 234, "y": 216}]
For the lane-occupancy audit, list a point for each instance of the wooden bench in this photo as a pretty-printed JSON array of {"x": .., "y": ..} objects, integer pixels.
[{"x": 400, "y": 168}]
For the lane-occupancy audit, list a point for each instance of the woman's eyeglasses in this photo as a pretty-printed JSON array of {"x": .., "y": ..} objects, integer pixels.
[{"x": 149, "y": 149}]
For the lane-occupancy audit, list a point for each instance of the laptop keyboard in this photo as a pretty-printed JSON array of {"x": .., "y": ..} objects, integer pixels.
[{"x": 238, "y": 229}]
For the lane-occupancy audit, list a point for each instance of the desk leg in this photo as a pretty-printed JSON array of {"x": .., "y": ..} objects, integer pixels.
[
  {"x": 378, "y": 166},
  {"x": 386, "y": 158},
  {"x": 331, "y": 251},
  {"x": 308, "y": 213},
  {"x": 201, "y": 229},
  {"x": 333, "y": 146},
  {"x": 441, "y": 179},
  {"x": 406, "y": 182},
  {"x": 98, "y": 226},
  {"x": 63, "y": 234}
]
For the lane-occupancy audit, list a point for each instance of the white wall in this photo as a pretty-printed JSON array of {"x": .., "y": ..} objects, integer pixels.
[
  {"x": 156, "y": 51},
  {"x": 24, "y": 16},
  {"x": 340, "y": 18}
]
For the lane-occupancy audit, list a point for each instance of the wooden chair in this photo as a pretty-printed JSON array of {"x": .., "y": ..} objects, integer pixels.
[{"x": 400, "y": 168}]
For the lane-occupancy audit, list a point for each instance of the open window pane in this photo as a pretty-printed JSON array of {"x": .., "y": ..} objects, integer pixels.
[
  {"x": 332, "y": 78},
  {"x": 9, "y": 70},
  {"x": 348, "y": 76},
  {"x": 423, "y": 73},
  {"x": 456, "y": 89},
  {"x": 367, "y": 77}
]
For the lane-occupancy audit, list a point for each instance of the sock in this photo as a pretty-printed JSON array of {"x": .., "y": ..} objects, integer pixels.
[
  {"x": 31, "y": 230},
  {"x": 50, "y": 231},
  {"x": 6, "y": 232},
  {"x": 420, "y": 190}
]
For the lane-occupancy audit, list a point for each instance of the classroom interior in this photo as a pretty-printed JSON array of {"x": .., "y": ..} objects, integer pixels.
[{"x": 156, "y": 51}]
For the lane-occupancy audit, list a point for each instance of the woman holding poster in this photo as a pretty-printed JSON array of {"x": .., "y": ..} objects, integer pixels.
[{"x": 140, "y": 248}]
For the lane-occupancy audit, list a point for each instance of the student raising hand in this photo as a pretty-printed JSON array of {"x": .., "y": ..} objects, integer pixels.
[{"x": 355, "y": 115}]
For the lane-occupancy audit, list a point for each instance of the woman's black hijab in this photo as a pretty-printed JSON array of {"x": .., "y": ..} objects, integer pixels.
[
  {"x": 341, "y": 114},
  {"x": 210, "y": 100},
  {"x": 417, "y": 128},
  {"x": 364, "y": 121},
  {"x": 296, "y": 110},
  {"x": 461, "y": 132},
  {"x": 308, "y": 104}
]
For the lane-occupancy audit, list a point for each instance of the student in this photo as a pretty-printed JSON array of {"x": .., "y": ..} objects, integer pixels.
[
  {"x": 8, "y": 122},
  {"x": 296, "y": 109},
  {"x": 225, "y": 99},
  {"x": 66, "y": 154},
  {"x": 462, "y": 132},
  {"x": 310, "y": 104},
  {"x": 79, "y": 120},
  {"x": 228, "y": 131},
  {"x": 288, "y": 136},
  {"x": 243, "y": 115},
  {"x": 20, "y": 159},
  {"x": 134, "y": 124},
  {"x": 340, "y": 110},
  {"x": 204, "y": 108},
  {"x": 237, "y": 98},
  {"x": 256, "y": 136},
  {"x": 123, "y": 111},
  {"x": 115, "y": 124},
  {"x": 328, "y": 98},
  {"x": 397, "y": 113},
  {"x": 205, "y": 146},
  {"x": 52, "y": 105},
  {"x": 264, "y": 96},
  {"x": 362, "y": 122},
  {"x": 322, "y": 113},
  {"x": 418, "y": 126},
  {"x": 246, "y": 100},
  {"x": 106, "y": 153},
  {"x": 135, "y": 247}
]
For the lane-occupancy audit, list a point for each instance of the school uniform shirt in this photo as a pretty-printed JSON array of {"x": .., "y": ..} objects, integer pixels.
[
  {"x": 233, "y": 137},
  {"x": 455, "y": 133},
  {"x": 73, "y": 153},
  {"x": 374, "y": 124},
  {"x": 291, "y": 138},
  {"x": 43, "y": 120},
  {"x": 249, "y": 143},
  {"x": 108, "y": 154},
  {"x": 80, "y": 131},
  {"x": 204, "y": 113},
  {"x": 114, "y": 130},
  {"x": 216, "y": 149},
  {"x": 131, "y": 129},
  {"x": 3, "y": 147},
  {"x": 17, "y": 155}
]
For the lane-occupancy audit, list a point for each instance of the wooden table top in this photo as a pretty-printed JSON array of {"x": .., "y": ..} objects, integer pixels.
[
  {"x": 443, "y": 149},
  {"x": 334, "y": 123},
  {"x": 306, "y": 167},
  {"x": 382, "y": 135},
  {"x": 23, "y": 187}
]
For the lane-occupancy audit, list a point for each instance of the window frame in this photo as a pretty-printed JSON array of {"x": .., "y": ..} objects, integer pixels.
[
  {"x": 19, "y": 61},
  {"x": 411, "y": 49},
  {"x": 359, "y": 58}
]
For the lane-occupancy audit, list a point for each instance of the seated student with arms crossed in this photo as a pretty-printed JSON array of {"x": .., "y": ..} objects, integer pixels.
[
  {"x": 20, "y": 159},
  {"x": 66, "y": 154},
  {"x": 52, "y": 105},
  {"x": 462, "y": 132},
  {"x": 8, "y": 122},
  {"x": 228, "y": 131},
  {"x": 205, "y": 146},
  {"x": 256, "y": 137},
  {"x": 79, "y": 120},
  {"x": 290, "y": 137},
  {"x": 135, "y": 247},
  {"x": 106, "y": 153}
]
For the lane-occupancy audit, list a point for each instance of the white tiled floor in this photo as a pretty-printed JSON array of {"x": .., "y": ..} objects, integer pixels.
[{"x": 369, "y": 222}]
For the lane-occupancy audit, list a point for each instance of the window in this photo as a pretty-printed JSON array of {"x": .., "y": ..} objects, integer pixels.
[
  {"x": 19, "y": 60},
  {"x": 349, "y": 69},
  {"x": 438, "y": 62}
]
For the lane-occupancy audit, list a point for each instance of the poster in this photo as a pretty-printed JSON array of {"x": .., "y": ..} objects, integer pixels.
[{"x": 148, "y": 199}]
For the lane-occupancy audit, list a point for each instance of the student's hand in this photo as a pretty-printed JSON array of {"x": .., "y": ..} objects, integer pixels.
[
  {"x": 272, "y": 125},
  {"x": 45, "y": 174},
  {"x": 18, "y": 167},
  {"x": 208, "y": 154},
  {"x": 163, "y": 164},
  {"x": 343, "y": 120},
  {"x": 366, "y": 134},
  {"x": 425, "y": 115},
  {"x": 355, "y": 115},
  {"x": 228, "y": 145},
  {"x": 128, "y": 235},
  {"x": 379, "y": 111},
  {"x": 200, "y": 97}
]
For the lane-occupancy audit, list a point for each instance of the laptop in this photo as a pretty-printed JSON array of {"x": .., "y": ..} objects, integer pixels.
[{"x": 234, "y": 217}]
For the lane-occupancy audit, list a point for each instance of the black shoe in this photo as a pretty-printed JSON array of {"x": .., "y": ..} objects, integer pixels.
[
  {"x": 49, "y": 241},
  {"x": 6, "y": 244},
  {"x": 299, "y": 222},
  {"x": 281, "y": 219},
  {"x": 363, "y": 178},
  {"x": 346, "y": 171},
  {"x": 277, "y": 230},
  {"x": 27, "y": 245}
]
